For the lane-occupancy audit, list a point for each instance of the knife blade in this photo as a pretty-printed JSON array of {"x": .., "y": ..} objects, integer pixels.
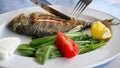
[
  {"x": 45, "y": 2},
  {"x": 51, "y": 10}
]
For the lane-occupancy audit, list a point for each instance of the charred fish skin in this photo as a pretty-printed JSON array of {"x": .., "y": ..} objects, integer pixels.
[
  {"x": 39, "y": 24},
  {"x": 47, "y": 24},
  {"x": 20, "y": 24}
]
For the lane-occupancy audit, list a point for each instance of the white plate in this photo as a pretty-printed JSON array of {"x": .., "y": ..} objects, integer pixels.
[{"x": 90, "y": 59}]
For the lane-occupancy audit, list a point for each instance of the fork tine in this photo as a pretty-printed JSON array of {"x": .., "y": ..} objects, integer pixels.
[
  {"x": 76, "y": 6},
  {"x": 81, "y": 10},
  {"x": 79, "y": 7}
]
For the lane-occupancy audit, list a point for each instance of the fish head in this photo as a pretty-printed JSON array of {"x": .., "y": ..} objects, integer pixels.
[{"x": 20, "y": 24}]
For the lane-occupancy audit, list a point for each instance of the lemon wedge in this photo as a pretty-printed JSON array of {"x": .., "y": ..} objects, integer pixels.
[{"x": 100, "y": 31}]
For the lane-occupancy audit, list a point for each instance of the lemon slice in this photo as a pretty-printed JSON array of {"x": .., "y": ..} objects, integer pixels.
[{"x": 100, "y": 31}]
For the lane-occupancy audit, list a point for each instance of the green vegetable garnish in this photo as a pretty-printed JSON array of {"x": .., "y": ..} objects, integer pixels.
[
  {"x": 42, "y": 54},
  {"x": 55, "y": 53},
  {"x": 25, "y": 50},
  {"x": 39, "y": 41},
  {"x": 45, "y": 48}
]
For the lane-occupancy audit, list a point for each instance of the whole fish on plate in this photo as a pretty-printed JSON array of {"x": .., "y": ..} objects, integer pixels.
[{"x": 39, "y": 24}]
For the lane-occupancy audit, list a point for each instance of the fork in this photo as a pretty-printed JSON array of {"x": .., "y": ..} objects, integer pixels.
[{"x": 80, "y": 7}]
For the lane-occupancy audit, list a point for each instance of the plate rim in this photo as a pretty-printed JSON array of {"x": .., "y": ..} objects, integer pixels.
[{"x": 94, "y": 65}]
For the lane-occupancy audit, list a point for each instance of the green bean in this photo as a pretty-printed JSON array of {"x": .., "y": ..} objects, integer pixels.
[
  {"x": 25, "y": 47},
  {"x": 74, "y": 34},
  {"x": 89, "y": 47},
  {"x": 25, "y": 50},
  {"x": 47, "y": 43},
  {"x": 27, "y": 53},
  {"x": 39, "y": 41},
  {"x": 55, "y": 53},
  {"x": 82, "y": 42}
]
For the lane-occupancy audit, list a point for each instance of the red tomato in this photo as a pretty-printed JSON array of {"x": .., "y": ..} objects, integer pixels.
[{"x": 67, "y": 46}]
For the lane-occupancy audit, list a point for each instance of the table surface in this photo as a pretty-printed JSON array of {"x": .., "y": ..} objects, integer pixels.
[{"x": 108, "y": 6}]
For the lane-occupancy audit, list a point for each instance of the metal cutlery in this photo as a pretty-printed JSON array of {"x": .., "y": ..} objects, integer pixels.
[
  {"x": 80, "y": 7},
  {"x": 51, "y": 10}
]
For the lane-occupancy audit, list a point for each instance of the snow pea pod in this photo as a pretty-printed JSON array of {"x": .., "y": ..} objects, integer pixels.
[
  {"x": 39, "y": 41},
  {"x": 25, "y": 50},
  {"x": 42, "y": 54}
]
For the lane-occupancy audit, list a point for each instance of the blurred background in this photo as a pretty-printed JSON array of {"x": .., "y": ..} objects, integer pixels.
[{"x": 109, "y": 6}]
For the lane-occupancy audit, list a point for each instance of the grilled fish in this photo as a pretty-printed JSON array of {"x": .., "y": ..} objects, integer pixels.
[{"x": 39, "y": 24}]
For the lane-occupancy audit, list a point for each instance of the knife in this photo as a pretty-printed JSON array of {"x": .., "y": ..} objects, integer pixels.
[
  {"x": 51, "y": 10},
  {"x": 45, "y": 2}
]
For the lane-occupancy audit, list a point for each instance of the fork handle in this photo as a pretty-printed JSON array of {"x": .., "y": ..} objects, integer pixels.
[{"x": 87, "y": 2}]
